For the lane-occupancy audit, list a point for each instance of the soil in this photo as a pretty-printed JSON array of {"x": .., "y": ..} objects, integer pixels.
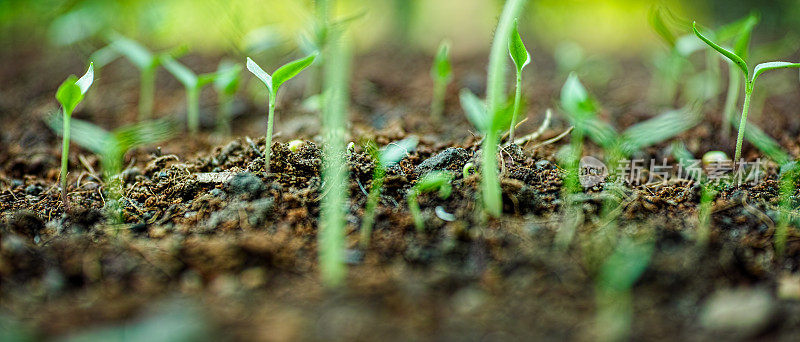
[{"x": 214, "y": 248}]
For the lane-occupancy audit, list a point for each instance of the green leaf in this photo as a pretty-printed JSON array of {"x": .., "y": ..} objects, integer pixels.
[
  {"x": 86, "y": 80},
  {"x": 396, "y": 151},
  {"x": 69, "y": 94},
  {"x": 433, "y": 181},
  {"x": 516, "y": 49},
  {"x": 621, "y": 270},
  {"x": 228, "y": 76},
  {"x": 658, "y": 24},
  {"x": 260, "y": 73},
  {"x": 83, "y": 133},
  {"x": 576, "y": 100},
  {"x": 291, "y": 69},
  {"x": 137, "y": 54},
  {"x": 743, "y": 41},
  {"x": 104, "y": 56},
  {"x": 659, "y": 128},
  {"x": 475, "y": 110},
  {"x": 204, "y": 79},
  {"x": 187, "y": 77},
  {"x": 730, "y": 55},
  {"x": 143, "y": 133},
  {"x": 441, "y": 69},
  {"x": 761, "y": 68},
  {"x": 599, "y": 131}
]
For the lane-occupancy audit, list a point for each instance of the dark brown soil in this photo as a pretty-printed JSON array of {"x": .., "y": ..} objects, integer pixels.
[{"x": 227, "y": 251}]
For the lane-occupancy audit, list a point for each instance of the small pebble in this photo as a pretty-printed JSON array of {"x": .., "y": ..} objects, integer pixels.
[{"x": 33, "y": 189}]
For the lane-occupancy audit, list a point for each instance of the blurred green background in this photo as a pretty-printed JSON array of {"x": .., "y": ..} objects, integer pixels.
[{"x": 617, "y": 27}]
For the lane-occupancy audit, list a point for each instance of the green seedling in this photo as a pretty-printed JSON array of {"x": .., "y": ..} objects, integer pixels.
[
  {"x": 145, "y": 61},
  {"x": 789, "y": 176},
  {"x": 519, "y": 54},
  {"x": 273, "y": 83},
  {"x": 193, "y": 83},
  {"x": 614, "y": 283},
  {"x": 226, "y": 84},
  {"x": 69, "y": 95},
  {"x": 490, "y": 126},
  {"x": 433, "y": 181},
  {"x": 750, "y": 79},
  {"x": 494, "y": 116},
  {"x": 442, "y": 75},
  {"x": 111, "y": 147},
  {"x": 384, "y": 159},
  {"x": 330, "y": 238}
]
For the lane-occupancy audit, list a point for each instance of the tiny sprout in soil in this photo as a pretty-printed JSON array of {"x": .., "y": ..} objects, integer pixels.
[
  {"x": 273, "y": 83},
  {"x": 442, "y": 75},
  {"x": 69, "y": 95},
  {"x": 430, "y": 182}
]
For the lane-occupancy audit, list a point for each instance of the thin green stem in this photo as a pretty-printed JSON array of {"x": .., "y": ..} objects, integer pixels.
[
  {"x": 413, "y": 208},
  {"x": 495, "y": 95},
  {"x": 437, "y": 106},
  {"x": 490, "y": 182},
  {"x": 740, "y": 137},
  {"x": 517, "y": 100},
  {"x": 270, "y": 122},
  {"x": 704, "y": 214},
  {"x": 225, "y": 113},
  {"x": 193, "y": 109},
  {"x": 372, "y": 204},
  {"x": 65, "y": 159},
  {"x": 147, "y": 86}
]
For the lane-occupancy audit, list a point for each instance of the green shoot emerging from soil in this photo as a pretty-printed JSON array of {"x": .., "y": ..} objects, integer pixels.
[
  {"x": 519, "y": 54},
  {"x": 273, "y": 83},
  {"x": 331, "y": 235},
  {"x": 494, "y": 116},
  {"x": 433, "y": 181},
  {"x": 226, "y": 84},
  {"x": 384, "y": 159},
  {"x": 147, "y": 63},
  {"x": 69, "y": 95},
  {"x": 193, "y": 84},
  {"x": 750, "y": 80},
  {"x": 442, "y": 74},
  {"x": 112, "y": 146}
]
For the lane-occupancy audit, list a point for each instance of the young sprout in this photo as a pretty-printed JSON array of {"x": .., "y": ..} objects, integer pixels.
[
  {"x": 226, "y": 84},
  {"x": 519, "y": 54},
  {"x": 384, "y": 159},
  {"x": 69, "y": 95},
  {"x": 146, "y": 62},
  {"x": 273, "y": 83},
  {"x": 433, "y": 181},
  {"x": 750, "y": 80},
  {"x": 495, "y": 115},
  {"x": 469, "y": 169},
  {"x": 789, "y": 176},
  {"x": 112, "y": 146},
  {"x": 331, "y": 235},
  {"x": 193, "y": 83},
  {"x": 442, "y": 75}
]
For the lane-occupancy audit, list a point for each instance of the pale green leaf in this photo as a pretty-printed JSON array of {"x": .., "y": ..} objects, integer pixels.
[
  {"x": 621, "y": 270},
  {"x": 442, "y": 69},
  {"x": 86, "y": 80},
  {"x": 516, "y": 49},
  {"x": 85, "y": 134},
  {"x": 228, "y": 76},
  {"x": 659, "y": 25},
  {"x": 730, "y": 55},
  {"x": 761, "y": 68},
  {"x": 259, "y": 73},
  {"x": 659, "y": 128},
  {"x": 396, "y": 151},
  {"x": 576, "y": 100},
  {"x": 133, "y": 51},
  {"x": 291, "y": 69},
  {"x": 475, "y": 110},
  {"x": 187, "y": 77}
]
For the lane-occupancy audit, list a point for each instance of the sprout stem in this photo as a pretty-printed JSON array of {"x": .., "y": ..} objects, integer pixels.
[
  {"x": 193, "y": 109},
  {"x": 225, "y": 113},
  {"x": 495, "y": 95},
  {"x": 372, "y": 203},
  {"x": 517, "y": 99},
  {"x": 740, "y": 137},
  {"x": 270, "y": 118},
  {"x": 64, "y": 160},
  {"x": 413, "y": 208},
  {"x": 147, "y": 79},
  {"x": 437, "y": 106}
]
